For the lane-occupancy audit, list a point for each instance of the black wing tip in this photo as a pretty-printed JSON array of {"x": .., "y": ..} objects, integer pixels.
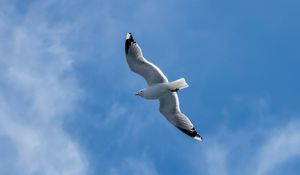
[
  {"x": 192, "y": 133},
  {"x": 129, "y": 40},
  {"x": 129, "y": 36},
  {"x": 198, "y": 137}
]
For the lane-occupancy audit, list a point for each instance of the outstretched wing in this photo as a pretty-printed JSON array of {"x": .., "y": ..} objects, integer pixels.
[
  {"x": 138, "y": 64},
  {"x": 169, "y": 107}
]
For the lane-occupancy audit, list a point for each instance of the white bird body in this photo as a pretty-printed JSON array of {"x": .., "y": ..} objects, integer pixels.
[
  {"x": 159, "y": 88},
  {"x": 155, "y": 91}
]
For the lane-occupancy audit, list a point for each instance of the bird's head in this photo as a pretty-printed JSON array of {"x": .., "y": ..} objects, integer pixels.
[{"x": 140, "y": 93}]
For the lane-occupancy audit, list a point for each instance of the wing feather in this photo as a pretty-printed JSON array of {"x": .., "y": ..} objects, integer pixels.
[
  {"x": 169, "y": 107},
  {"x": 140, "y": 65}
]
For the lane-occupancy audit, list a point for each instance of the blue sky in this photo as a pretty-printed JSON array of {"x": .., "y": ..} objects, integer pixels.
[{"x": 66, "y": 92}]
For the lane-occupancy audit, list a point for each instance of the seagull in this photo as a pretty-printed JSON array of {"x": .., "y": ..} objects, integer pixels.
[{"x": 159, "y": 88}]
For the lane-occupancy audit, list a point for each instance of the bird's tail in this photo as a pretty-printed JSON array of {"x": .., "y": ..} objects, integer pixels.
[{"x": 178, "y": 84}]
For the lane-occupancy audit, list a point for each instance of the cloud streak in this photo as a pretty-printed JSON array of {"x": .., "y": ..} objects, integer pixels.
[
  {"x": 134, "y": 166},
  {"x": 282, "y": 145},
  {"x": 38, "y": 91},
  {"x": 259, "y": 150}
]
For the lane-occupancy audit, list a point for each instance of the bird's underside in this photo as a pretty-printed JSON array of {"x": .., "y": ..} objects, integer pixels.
[{"x": 169, "y": 103}]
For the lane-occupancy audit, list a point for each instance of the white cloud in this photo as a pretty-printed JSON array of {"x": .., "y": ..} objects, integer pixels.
[
  {"x": 216, "y": 156},
  {"x": 37, "y": 92},
  {"x": 283, "y": 144},
  {"x": 255, "y": 151},
  {"x": 134, "y": 166}
]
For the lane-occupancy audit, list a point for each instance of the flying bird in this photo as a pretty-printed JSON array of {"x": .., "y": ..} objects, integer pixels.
[{"x": 159, "y": 88}]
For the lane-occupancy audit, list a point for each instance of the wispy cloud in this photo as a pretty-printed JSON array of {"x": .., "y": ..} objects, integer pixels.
[
  {"x": 281, "y": 145},
  {"x": 134, "y": 166},
  {"x": 37, "y": 92},
  {"x": 215, "y": 159},
  {"x": 258, "y": 149}
]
